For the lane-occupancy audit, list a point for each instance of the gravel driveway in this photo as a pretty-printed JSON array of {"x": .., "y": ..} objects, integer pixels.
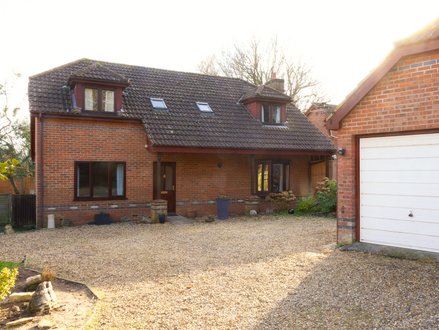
[{"x": 245, "y": 273}]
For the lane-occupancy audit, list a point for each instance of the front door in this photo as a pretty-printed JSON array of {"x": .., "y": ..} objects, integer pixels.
[{"x": 167, "y": 184}]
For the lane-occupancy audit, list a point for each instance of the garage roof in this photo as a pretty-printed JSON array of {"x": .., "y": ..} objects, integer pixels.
[{"x": 422, "y": 41}]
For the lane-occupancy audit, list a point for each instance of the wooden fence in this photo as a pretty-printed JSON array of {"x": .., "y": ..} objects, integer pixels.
[{"x": 18, "y": 210}]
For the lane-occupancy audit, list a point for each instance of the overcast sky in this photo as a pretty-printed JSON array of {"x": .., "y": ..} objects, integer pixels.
[{"x": 341, "y": 40}]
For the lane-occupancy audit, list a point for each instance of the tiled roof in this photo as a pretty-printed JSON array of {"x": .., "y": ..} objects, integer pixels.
[
  {"x": 97, "y": 71},
  {"x": 264, "y": 91},
  {"x": 229, "y": 126}
]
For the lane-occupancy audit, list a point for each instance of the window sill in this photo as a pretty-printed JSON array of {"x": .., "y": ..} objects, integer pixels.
[{"x": 274, "y": 125}]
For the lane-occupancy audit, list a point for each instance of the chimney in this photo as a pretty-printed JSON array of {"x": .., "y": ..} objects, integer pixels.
[{"x": 276, "y": 83}]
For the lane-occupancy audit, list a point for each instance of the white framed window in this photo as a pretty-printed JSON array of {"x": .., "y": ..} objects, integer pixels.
[
  {"x": 97, "y": 99},
  {"x": 108, "y": 101},
  {"x": 91, "y": 99},
  {"x": 158, "y": 103},
  {"x": 271, "y": 114},
  {"x": 204, "y": 107}
]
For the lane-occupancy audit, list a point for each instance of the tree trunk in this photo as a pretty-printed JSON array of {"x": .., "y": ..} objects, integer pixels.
[{"x": 12, "y": 182}]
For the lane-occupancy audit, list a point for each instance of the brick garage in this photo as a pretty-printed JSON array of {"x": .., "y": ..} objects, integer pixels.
[{"x": 398, "y": 103}]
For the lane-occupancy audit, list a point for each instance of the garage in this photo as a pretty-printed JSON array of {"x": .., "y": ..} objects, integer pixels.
[
  {"x": 387, "y": 136},
  {"x": 399, "y": 191}
]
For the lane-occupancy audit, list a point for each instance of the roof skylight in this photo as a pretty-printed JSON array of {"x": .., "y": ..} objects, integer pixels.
[
  {"x": 158, "y": 103},
  {"x": 204, "y": 107}
]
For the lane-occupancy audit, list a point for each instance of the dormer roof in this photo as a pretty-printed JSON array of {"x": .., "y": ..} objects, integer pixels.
[
  {"x": 96, "y": 72},
  {"x": 264, "y": 92}
]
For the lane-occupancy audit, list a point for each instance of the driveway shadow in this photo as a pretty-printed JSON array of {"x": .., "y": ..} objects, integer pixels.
[{"x": 352, "y": 290}]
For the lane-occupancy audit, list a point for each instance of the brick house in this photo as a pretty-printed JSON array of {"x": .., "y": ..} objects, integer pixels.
[
  {"x": 388, "y": 179},
  {"x": 322, "y": 166},
  {"x": 113, "y": 137}
]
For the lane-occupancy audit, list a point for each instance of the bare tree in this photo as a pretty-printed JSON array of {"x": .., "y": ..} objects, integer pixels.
[
  {"x": 208, "y": 66},
  {"x": 14, "y": 142},
  {"x": 258, "y": 64}
]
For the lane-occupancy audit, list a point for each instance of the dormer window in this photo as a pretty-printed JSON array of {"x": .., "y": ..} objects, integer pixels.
[
  {"x": 204, "y": 107},
  {"x": 97, "y": 99},
  {"x": 271, "y": 114},
  {"x": 158, "y": 103}
]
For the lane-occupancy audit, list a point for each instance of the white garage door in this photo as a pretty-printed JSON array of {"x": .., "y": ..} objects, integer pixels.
[{"x": 399, "y": 191}]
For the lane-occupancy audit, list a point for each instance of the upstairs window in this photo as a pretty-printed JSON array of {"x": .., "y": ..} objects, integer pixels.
[
  {"x": 272, "y": 176},
  {"x": 204, "y": 107},
  {"x": 271, "y": 114},
  {"x": 158, "y": 103},
  {"x": 99, "y": 180},
  {"x": 96, "y": 99}
]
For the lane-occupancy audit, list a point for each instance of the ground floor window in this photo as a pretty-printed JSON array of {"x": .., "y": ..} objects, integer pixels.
[
  {"x": 272, "y": 176},
  {"x": 99, "y": 180}
]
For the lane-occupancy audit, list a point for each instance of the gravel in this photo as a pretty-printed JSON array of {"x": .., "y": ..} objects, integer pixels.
[{"x": 244, "y": 273}]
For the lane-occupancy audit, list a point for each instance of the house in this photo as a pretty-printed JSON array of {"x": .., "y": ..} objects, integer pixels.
[
  {"x": 111, "y": 138},
  {"x": 388, "y": 132},
  {"x": 318, "y": 113},
  {"x": 322, "y": 166}
]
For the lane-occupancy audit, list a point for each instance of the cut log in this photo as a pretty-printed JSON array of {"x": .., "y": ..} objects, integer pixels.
[
  {"x": 19, "y": 322},
  {"x": 20, "y": 296}
]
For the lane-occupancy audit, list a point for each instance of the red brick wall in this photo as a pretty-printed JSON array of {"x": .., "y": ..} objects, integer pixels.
[
  {"x": 406, "y": 99},
  {"x": 70, "y": 140},
  {"x": 318, "y": 117},
  {"x": 199, "y": 179}
]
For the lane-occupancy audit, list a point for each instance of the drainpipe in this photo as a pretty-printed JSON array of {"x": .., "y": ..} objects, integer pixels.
[
  {"x": 40, "y": 218},
  {"x": 158, "y": 177}
]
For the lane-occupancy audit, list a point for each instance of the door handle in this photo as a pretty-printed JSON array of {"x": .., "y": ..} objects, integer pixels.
[
  {"x": 163, "y": 192},
  {"x": 411, "y": 214}
]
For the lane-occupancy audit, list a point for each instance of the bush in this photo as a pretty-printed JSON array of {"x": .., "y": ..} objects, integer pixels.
[
  {"x": 282, "y": 201},
  {"x": 324, "y": 201},
  {"x": 326, "y": 196},
  {"x": 306, "y": 205},
  {"x": 48, "y": 274},
  {"x": 7, "y": 280}
]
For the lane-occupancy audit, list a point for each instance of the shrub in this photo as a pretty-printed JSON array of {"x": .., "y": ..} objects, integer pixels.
[
  {"x": 306, "y": 205},
  {"x": 326, "y": 196},
  {"x": 48, "y": 274},
  {"x": 282, "y": 201},
  {"x": 7, "y": 280}
]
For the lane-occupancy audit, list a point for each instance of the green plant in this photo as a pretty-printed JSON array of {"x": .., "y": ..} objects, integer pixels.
[
  {"x": 326, "y": 197},
  {"x": 9, "y": 264},
  {"x": 8, "y": 274},
  {"x": 306, "y": 205}
]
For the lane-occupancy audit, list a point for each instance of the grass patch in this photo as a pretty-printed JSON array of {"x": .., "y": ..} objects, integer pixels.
[{"x": 9, "y": 264}]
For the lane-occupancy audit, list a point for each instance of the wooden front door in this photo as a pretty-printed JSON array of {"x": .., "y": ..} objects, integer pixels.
[{"x": 167, "y": 184}]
